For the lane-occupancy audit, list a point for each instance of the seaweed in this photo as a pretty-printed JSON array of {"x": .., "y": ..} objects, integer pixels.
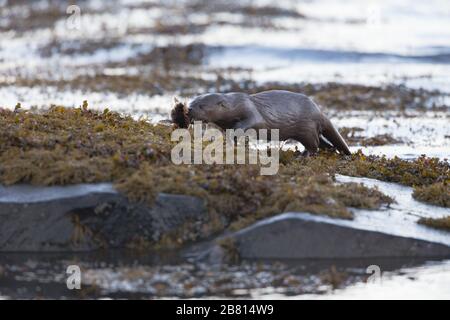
[
  {"x": 436, "y": 193},
  {"x": 358, "y": 196},
  {"x": 334, "y": 277},
  {"x": 339, "y": 96},
  {"x": 167, "y": 74},
  {"x": 67, "y": 146},
  {"x": 230, "y": 249},
  {"x": 417, "y": 172},
  {"x": 437, "y": 223},
  {"x": 380, "y": 140}
]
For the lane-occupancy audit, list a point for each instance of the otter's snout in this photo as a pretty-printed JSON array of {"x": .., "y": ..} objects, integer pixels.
[{"x": 194, "y": 112}]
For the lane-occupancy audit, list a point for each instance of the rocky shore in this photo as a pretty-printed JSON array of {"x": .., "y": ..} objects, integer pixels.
[{"x": 91, "y": 217}]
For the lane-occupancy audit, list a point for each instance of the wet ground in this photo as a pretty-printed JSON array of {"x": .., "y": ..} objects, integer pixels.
[
  {"x": 152, "y": 276},
  {"x": 380, "y": 69}
]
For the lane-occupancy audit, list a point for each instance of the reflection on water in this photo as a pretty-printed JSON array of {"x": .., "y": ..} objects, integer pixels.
[
  {"x": 431, "y": 281},
  {"x": 118, "y": 274}
]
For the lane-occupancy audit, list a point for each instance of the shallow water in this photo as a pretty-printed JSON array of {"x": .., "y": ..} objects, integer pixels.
[
  {"x": 401, "y": 217},
  {"x": 371, "y": 42},
  {"x": 417, "y": 133},
  {"x": 430, "y": 281},
  {"x": 150, "y": 276},
  {"x": 374, "y": 42}
]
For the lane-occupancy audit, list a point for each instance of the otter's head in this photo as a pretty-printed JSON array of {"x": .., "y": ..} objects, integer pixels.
[{"x": 209, "y": 107}]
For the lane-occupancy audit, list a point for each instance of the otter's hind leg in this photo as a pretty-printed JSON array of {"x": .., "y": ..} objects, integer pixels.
[
  {"x": 325, "y": 144},
  {"x": 310, "y": 141}
]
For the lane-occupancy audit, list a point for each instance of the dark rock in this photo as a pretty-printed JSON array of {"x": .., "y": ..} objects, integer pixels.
[
  {"x": 303, "y": 236},
  {"x": 87, "y": 217}
]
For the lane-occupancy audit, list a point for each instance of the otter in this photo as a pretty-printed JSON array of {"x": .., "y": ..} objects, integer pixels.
[{"x": 295, "y": 115}]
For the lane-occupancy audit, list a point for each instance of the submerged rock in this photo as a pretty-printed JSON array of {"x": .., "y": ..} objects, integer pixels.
[{"x": 87, "y": 217}]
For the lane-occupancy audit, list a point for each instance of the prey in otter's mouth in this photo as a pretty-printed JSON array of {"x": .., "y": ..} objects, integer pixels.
[
  {"x": 295, "y": 115},
  {"x": 180, "y": 114}
]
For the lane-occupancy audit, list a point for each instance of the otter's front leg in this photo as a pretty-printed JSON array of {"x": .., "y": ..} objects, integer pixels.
[
  {"x": 244, "y": 124},
  {"x": 239, "y": 129}
]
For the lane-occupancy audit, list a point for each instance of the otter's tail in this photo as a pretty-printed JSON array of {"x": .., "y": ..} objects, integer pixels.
[{"x": 332, "y": 135}]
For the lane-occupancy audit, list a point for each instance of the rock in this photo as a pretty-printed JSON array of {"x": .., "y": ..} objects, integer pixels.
[
  {"x": 87, "y": 217},
  {"x": 302, "y": 235},
  {"x": 93, "y": 216}
]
